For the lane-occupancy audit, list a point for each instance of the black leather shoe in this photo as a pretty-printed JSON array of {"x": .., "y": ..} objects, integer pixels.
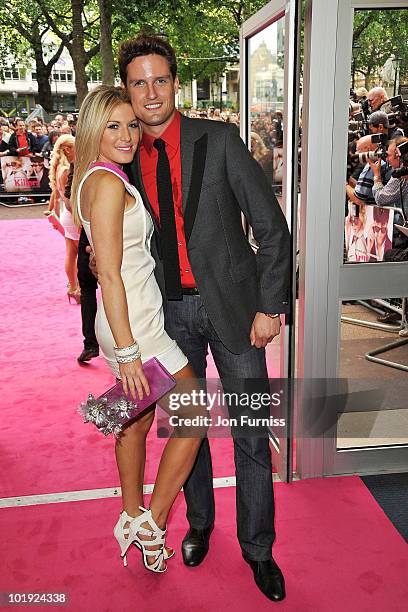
[
  {"x": 195, "y": 545},
  {"x": 268, "y": 578},
  {"x": 88, "y": 354},
  {"x": 389, "y": 317}
]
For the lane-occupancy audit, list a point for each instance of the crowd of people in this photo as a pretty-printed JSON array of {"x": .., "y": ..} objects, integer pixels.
[
  {"x": 376, "y": 193},
  {"x": 39, "y": 159},
  {"x": 214, "y": 114},
  {"x": 35, "y": 137},
  {"x": 266, "y": 136}
]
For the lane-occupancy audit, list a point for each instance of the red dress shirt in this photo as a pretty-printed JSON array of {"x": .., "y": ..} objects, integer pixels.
[
  {"x": 148, "y": 162},
  {"x": 22, "y": 144}
]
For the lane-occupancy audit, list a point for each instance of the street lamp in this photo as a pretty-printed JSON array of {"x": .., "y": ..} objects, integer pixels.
[
  {"x": 396, "y": 64},
  {"x": 53, "y": 78},
  {"x": 15, "y": 96},
  {"x": 354, "y": 51}
]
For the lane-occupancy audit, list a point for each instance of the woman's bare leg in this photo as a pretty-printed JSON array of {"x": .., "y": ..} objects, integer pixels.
[
  {"x": 71, "y": 253},
  {"x": 130, "y": 453},
  {"x": 178, "y": 457},
  {"x": 175, "y": 465}
]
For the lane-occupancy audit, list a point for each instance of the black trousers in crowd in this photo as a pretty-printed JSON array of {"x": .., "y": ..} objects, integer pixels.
[{"x": 88, "y": 285}]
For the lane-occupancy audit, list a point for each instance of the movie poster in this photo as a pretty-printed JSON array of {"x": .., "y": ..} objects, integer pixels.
[
  {"x": 25, "y": 174},
  {"x": 368, "y": 233}
]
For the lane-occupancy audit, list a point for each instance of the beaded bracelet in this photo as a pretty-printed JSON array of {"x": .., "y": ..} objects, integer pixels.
[
  {"x": 126, "y": 350},
  {"x": 126, "y": 354},
  {"x": 129, "y": 358}
]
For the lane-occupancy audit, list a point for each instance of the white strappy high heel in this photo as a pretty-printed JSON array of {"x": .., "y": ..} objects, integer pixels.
[
  {"x": 157, "y": 536},
  {"x": 122, "y": 534},
  {"x": 126, "y": 536}
]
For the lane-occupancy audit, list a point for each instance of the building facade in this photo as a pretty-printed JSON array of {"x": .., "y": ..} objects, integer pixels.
[{"x": 19, "y": 87}]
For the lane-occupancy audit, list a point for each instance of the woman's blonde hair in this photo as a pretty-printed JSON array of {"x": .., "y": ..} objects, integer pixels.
[
  {"x": 93, "y": 117},
  {"x": 259, "y": 150},
  {"x": 59, "y": 157}
]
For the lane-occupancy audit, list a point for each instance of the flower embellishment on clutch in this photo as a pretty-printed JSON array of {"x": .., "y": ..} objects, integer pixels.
[{"x": 113, "y": 409}]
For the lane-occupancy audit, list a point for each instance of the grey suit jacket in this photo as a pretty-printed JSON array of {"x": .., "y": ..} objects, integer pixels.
[{"x": 220, "y": 180}]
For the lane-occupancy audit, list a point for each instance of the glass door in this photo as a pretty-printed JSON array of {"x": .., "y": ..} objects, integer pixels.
[
  {"x": 269, "y": 126},
  {"x": 353, "y": 287}
]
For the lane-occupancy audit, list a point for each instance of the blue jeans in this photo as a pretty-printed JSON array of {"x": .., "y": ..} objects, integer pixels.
[{"x": 188, "y": 323}]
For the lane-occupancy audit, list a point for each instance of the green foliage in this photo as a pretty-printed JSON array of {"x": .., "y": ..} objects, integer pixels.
[
  {"x": 16, "y": 17},
  {"x": 378, "y": 34},
  {"x": 199, "y": 29}
]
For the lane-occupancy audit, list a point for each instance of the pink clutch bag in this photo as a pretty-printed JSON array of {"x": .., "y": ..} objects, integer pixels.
[
  {"x": 113, "y": 409},
  {"x": 55, "y": 222}
]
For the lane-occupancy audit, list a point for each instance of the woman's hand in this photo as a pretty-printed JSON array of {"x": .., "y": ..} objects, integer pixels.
[
  {"x": 92, "y": 261},
  {"x": 133, "y": 379}
]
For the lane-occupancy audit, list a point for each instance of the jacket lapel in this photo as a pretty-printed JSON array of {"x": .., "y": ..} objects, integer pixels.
[
  {"x": 193, "y": 157},
  {"x": 187, "y": 152}
]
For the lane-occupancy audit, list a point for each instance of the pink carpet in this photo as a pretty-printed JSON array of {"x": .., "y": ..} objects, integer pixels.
[
  {"x": 338, "y": 551},
  {"x": 44, "y": 446},
  {"x": 337, "y": 548}
]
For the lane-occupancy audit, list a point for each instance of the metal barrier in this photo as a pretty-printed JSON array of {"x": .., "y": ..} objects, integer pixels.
[
  {"x": 372, "y": 355},
  {"x": 22, "y": 199},
  {"x": 397, "y": 305},
  {"x": 394, "y": 305}
]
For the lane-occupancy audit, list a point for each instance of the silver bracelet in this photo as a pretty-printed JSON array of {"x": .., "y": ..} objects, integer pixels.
[
  {"x": 124, "y": 351},
  {"x": 272, "y": 316},
  {"x": 129, "y": 358}
]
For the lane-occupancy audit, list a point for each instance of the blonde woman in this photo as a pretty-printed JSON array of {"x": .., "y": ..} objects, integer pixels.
[
  {"x": 130, "y": 321},
  {"x": 63, "y": 155},
  {"x": 261, "y": 153}
]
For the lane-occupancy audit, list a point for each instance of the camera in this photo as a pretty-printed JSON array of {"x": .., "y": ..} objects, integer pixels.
[
  {"x": 403, "y": 169},
  {"x": 379, "y": 153},
  {"x": 396, "y": 109},
  {"x": 357, "y": 126}
]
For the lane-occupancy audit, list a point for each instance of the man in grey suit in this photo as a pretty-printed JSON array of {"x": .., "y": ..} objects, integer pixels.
[{"x": 217, "y": 292}]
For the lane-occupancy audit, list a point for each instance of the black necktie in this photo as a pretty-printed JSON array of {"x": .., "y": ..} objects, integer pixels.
[{"x": 168, "y": 231}]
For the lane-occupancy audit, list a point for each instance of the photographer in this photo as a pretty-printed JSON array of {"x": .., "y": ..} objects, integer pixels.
[
  {"x": 363, "y": 189},
  {"x": 378, "y": 123},
  {"x": 394, "y": 193},
  {"x": 363, "y": 145},
  {"x": 376, "y": 97}
]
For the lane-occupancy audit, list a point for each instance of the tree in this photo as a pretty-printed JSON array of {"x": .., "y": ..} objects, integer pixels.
[
  {"x": 377, "y": 35},
  {"x": 204, "y": 34},
  {"x": 24, "y": 32},
  {"x": 75, "y": 27},
  {"x": 108, "y": 65}
]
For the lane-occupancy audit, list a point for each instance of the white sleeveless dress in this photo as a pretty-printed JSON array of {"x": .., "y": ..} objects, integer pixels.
[
  {"x": 144, "y": 299},
  {"x": 65, "y": 216}
]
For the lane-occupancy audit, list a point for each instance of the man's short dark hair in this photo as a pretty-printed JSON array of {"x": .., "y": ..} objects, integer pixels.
[
  {"x": 378, "y": 118},
  {"x": 145, "y": 44}
]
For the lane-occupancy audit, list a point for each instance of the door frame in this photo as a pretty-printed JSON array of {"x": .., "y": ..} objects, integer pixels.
[
  {"x": 290, "y": 10},
  {"x": 325, "y": 281}
]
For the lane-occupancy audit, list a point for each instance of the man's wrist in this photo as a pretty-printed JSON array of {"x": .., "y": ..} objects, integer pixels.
[{"x": 271, "y": 315}]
